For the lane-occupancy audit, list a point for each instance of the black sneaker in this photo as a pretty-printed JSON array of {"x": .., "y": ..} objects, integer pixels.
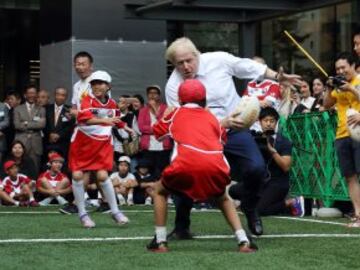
[
  {"x": 103, "y": 208},
  {"x": 180, "y": 235},
  {"x": 157, "y": 247},
  {"x": 69, "y": 209}
]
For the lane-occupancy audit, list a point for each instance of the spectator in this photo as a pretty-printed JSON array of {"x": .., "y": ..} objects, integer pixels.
[
  {"x": 158, "y": 153},
  {"x": 43, "y": 98},
  {"x": 29, "y": 120},
  {"x": 344, "y": 97},
  {"x": 276, "y": 151},
  {"x": 17, "y": 186},
  {"x": 318, "y": 88},
  {"x": 143, "y": 187},
  {"x": 25, "y": 164},
  {"x": 120, "y": 135},
  {"x": 137, "y": 104},
  {"x": 12, "y": 100},
  {"x": 4, "y": 123},
  {"x": 52, "y": 184},
  {"x": 289, "y": 100},
  {"x": 356, "y": 39},
  {"x": 83, "y": 65},
  {"x": 306, "y": 100},
  {"x": 59, "y": 124},
  {"x": 267, "y": 91},
  {"x": 122, "y": 181}
]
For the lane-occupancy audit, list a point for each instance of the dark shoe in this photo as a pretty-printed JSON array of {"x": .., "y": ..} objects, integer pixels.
[
  {"x": 103, "y": 208},
  {"x": 24, "y": 204},
  {"x": 69, "y": 209},
  {"x": 180, "y": 235},
  {"x": 157, "y": 247},
  {"x": 34, "y": 204},
  {"x": 254, "y": 222}
]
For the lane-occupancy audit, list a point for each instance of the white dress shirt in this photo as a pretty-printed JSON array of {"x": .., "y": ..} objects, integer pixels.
[
  {"x": 215, "y": 71},
  {"x": 80, "y": 89}
]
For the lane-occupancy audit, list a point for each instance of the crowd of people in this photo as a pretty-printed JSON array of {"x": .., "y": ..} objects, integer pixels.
[{"x": 136, "y": 150}]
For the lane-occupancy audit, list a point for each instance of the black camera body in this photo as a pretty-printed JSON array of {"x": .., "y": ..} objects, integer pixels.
[{"x": 338, "y": 80}]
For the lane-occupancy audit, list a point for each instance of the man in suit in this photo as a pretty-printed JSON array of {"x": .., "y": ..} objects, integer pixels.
[
  {"x": 12, "y": 100},
  {"x": 29, "y": 120},
  {"x": 59, "y": 124}
]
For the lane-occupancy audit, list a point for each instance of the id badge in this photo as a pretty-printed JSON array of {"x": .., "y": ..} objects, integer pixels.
[{"x": 36, "y": 118}]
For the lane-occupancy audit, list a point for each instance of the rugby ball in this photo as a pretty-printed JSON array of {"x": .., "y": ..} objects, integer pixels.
[
  {"x": 353, "y": 130},
  {"x": 247, "y": 110}
]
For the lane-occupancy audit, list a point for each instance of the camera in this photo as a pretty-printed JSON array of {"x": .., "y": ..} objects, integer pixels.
[
  {"x": 338, "y": 80},
  {"x": 262, "y": 139}
]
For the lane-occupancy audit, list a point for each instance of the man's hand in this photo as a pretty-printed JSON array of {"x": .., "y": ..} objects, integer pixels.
[
  {"x": 232, "y": 122},
  {"x": 354, "y": 120},
  {"x": 290, "y": 78},
  {"x": 265, "y": 103},
  {"x": 53, "y": 137}
]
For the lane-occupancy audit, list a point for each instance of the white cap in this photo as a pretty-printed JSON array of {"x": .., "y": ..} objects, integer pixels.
[
  {"x": 100, "y": 76},
  {"x": 125, "y": 158}
]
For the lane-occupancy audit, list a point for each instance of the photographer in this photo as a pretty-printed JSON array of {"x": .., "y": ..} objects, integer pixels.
[
  {"x": 345, "y": 96},
  {"x": 276, "y": 151}
]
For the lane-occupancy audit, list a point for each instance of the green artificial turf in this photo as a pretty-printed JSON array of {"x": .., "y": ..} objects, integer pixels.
[{"x": 216, "y": 253}]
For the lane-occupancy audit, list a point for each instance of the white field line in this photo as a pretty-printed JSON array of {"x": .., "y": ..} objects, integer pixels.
[
  {"x": 125, "y": 211},
  {"x": 312, "y": 220},
  {"x": 108, "y": 239}
]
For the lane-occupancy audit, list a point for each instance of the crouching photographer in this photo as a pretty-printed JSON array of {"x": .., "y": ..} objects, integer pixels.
[{"x": 276, "y": 150}]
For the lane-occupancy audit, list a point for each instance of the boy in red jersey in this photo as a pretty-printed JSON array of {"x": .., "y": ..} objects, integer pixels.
[
  {"x": 91, "y": 146},
  {"x": 17, "y": 186},
  {"x": 53, "y": 184},
  {"x": 198, "y": 168}
]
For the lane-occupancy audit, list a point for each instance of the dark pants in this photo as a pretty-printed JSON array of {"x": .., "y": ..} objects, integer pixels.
[
  {"x": 247, "y": 165},
  {"x": 272, "y": 197},
  {"x": 158, "y": 160}
]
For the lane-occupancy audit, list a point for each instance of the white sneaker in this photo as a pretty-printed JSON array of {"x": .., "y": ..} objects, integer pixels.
[
  {"x": 61, "y": 200},
  {"x": 148, "y": 201},
  {"x": 122, "y": 200},
  {"x": 46, "y": 201},
  {"x": 120, "y": 218},
  {"x": 87, "y": 222},
  {"x": 130, "y": 201},
  {"x": 170, "y": 201}
]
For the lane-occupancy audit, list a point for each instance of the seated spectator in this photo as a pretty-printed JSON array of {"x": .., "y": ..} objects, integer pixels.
[
  {"x": 25, "y": 164},
  {"x": 122, "y": 181},
  {"x": 276, "y": 151},
  {"x": 17, "y": 186},
  {"x": 318, "y": 88},
  {"x": 143, "y": 187},
  {"x": 53, "y": 184},
  {"x": 306, "y": 100}
]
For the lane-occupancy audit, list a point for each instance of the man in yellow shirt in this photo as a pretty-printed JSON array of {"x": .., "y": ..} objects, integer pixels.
[{"x": 346, "y": 96}]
